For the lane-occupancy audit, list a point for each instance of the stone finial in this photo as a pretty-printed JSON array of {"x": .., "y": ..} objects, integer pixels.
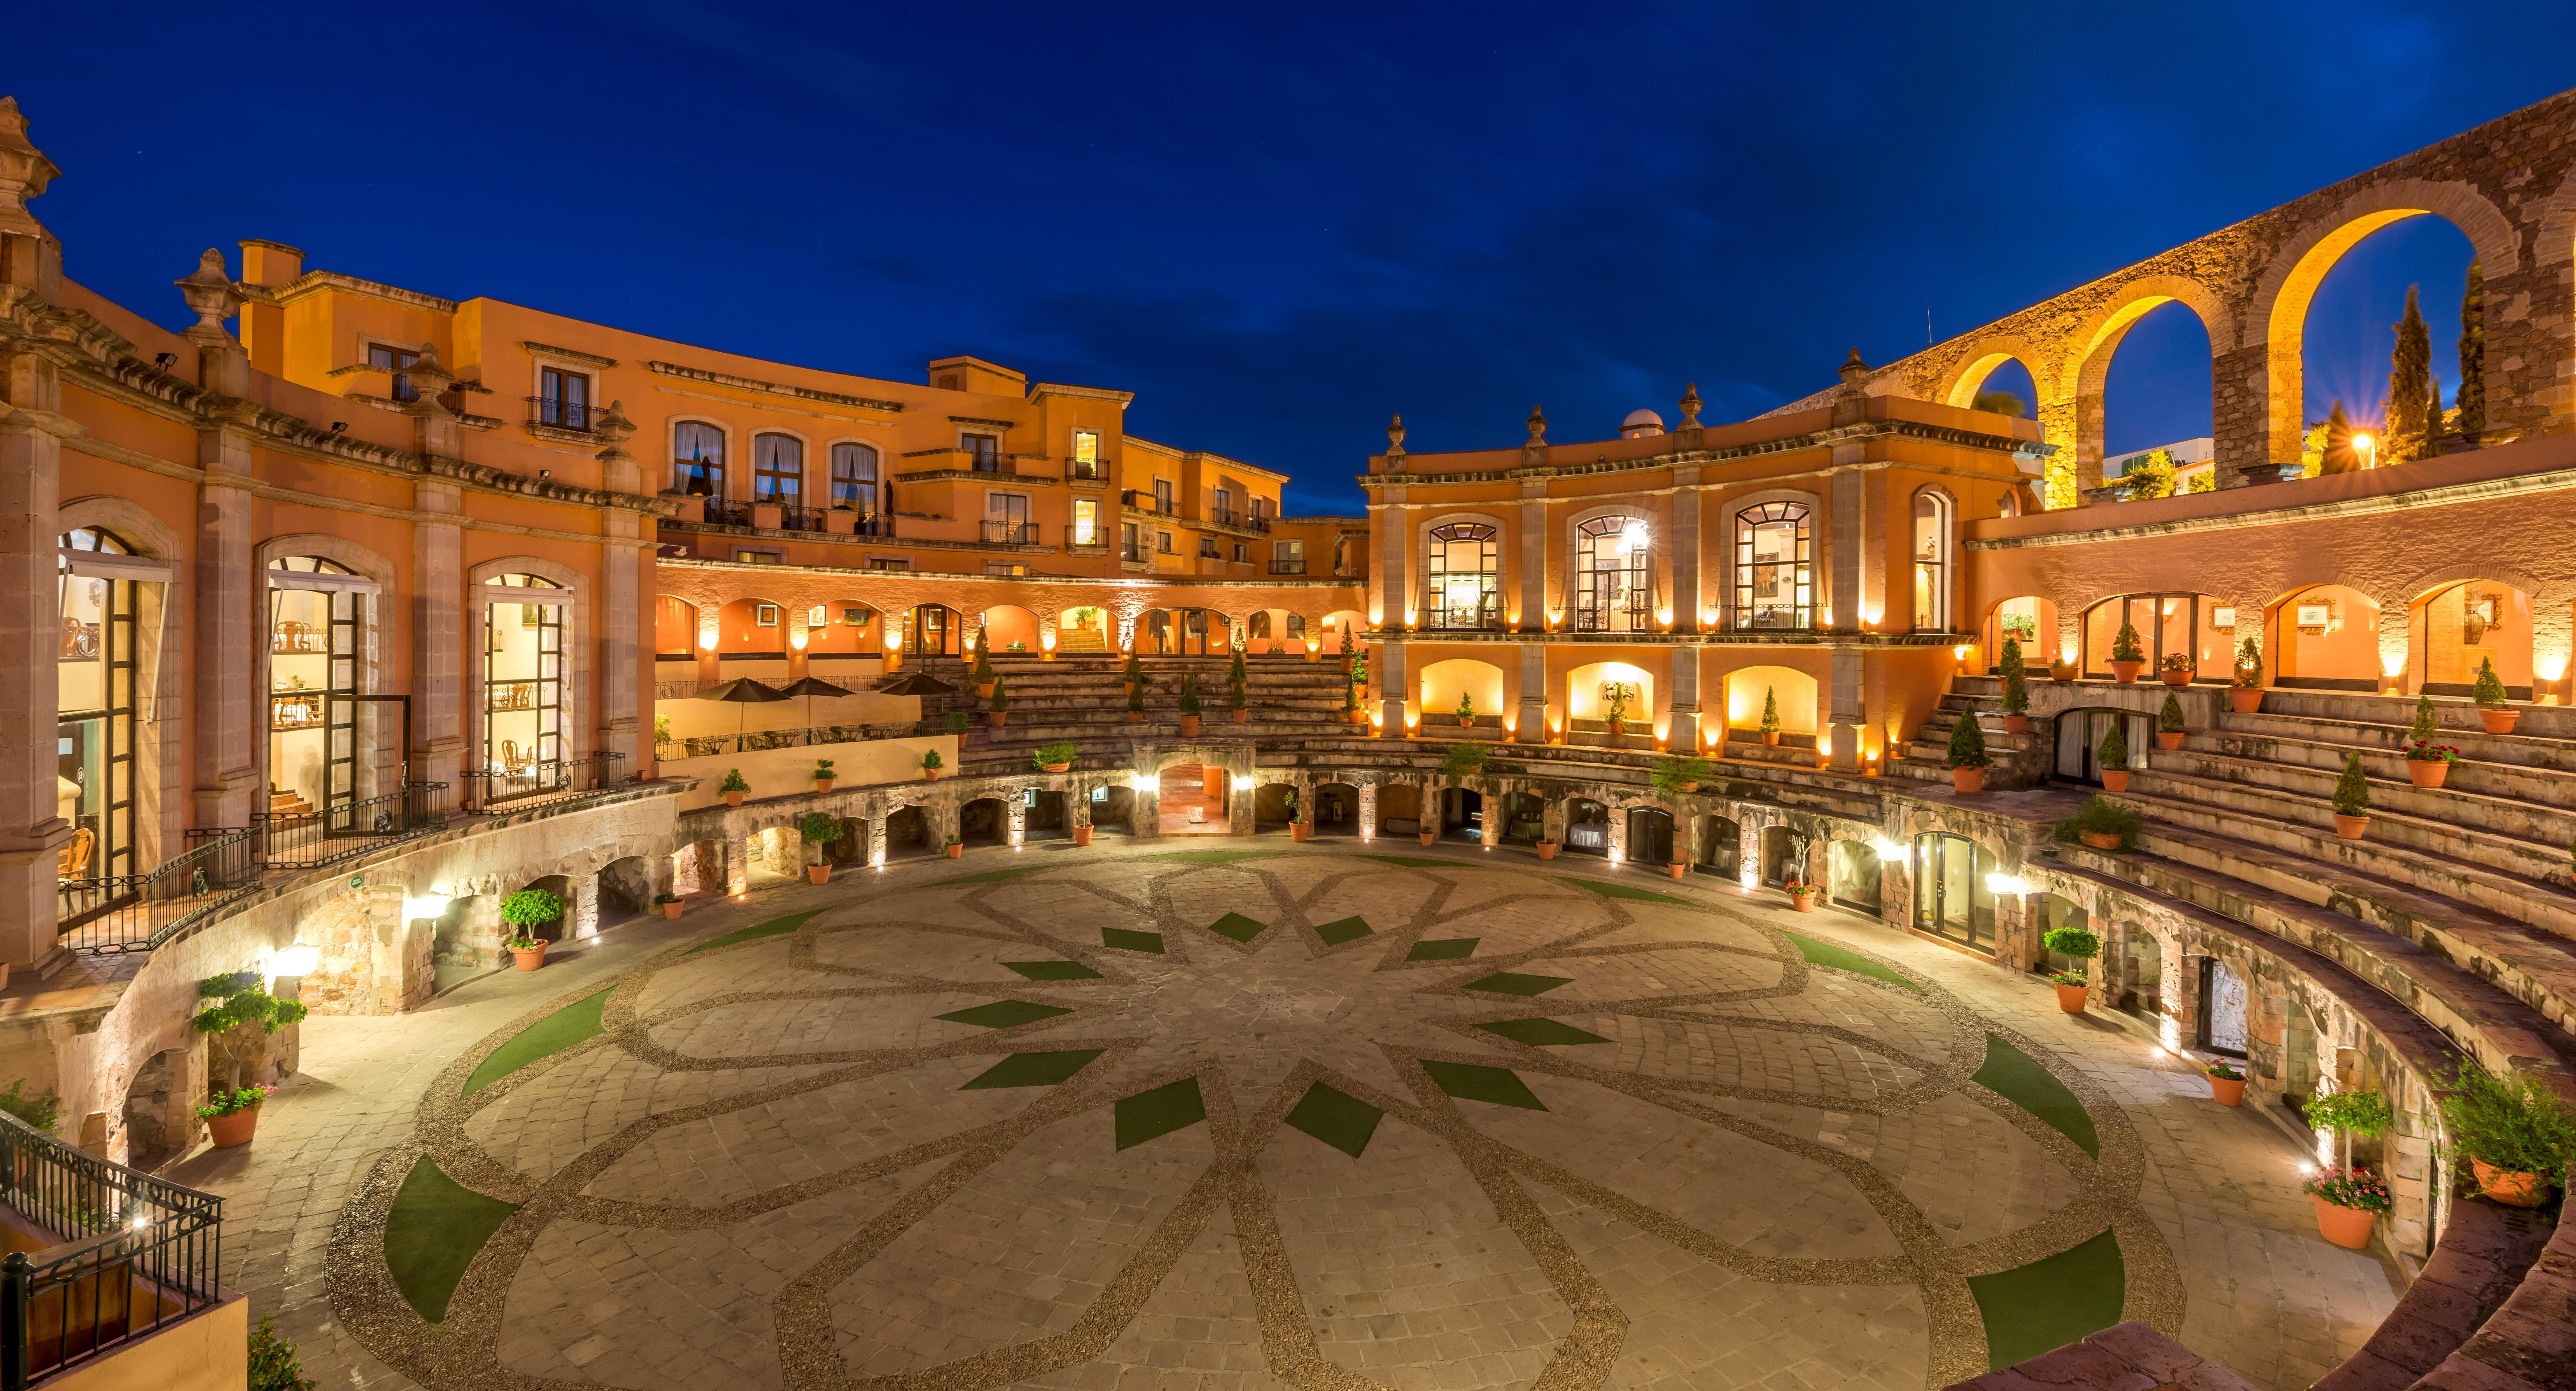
[
  {"x": 428, "y": 379},
  {"x": 1853, "y": 369},
  {"x": 1690, "y": 406},
  {"x": 612, "y": 426},
  {"x": 1537, "y": 427},
  {"x": 211, "y": 297},
  {"x": 1395, "y": 438},
  {"x": 24, "y": 172}
]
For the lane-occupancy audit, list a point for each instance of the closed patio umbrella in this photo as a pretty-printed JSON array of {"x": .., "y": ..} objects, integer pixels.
[
  {"x": 741, "y": 690},
  {"x": 915, "y": 683},
  {"x": 810, "y": 687}
]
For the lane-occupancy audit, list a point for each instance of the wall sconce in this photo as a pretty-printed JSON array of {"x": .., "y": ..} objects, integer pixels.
[
  {"x": 706, "y": 639},
  {"x": 1141, "y": 783},
  {"x": 797, "y": 640},
  {"x": 1889, "y": 852},
  {"x": 429, "y": 905},
  {"x": 1665, "y": 617},
  {"x": 2006, "y": 885},
  {"x": 1242, "y": 783},
  {"x": 300, "y": 959}
]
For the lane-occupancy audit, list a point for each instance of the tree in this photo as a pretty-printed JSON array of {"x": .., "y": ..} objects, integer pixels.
[
  {"x": 2150, "y": 475},
  {"x": 2339, "y": 455},
  {"x": 234, "y": 1014},
  {"x": 1998, "y": 402},
  {"x": 2410, "y": 382},
  {"x": 2472, "y": 395}
]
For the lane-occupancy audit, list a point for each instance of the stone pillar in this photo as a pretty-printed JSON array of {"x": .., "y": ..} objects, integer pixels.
[
  {"x": 227, "y": 766},
  {"x": 2250, "y": 435},
  {"x": 737, "y": 866},
  {"x": 1618, "y": 836},
  {"x": 1748, "y": 852},
  {"x": 1532, "y": 721},
  {"x": 1847, "y": 711},
  {"x": 581, "y": 914},
  {"x": 1392, "y": 686},
  {"x": 2396, "y": 668},
  {"x": 2530, "y": 317},
  {"x": 1368, "y": 810},
  {"x": 441, "y": 626},
  {"x": 1895, "y": 889},
  {"x": 32, "y": 829},
  {"x": 873, "y": 841},
  {"x": 1686, "y": 556},
  {"x": 621, "y": 726},
  {"x": 1015, "y": 830},
  {"x": 1533, "y": 568},
  {"x": 2017, "y": 919},
  {"x": 2070, "y": 636},
  {"x": 1682, "y": 736},
  {"x": 1845, "y": 541},
  {"x": 1491, "y": 831},
  {"x": 1391, "y": 577}
]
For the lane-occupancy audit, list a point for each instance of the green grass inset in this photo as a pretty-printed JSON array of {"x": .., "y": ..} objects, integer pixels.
[
  {"x": 1444, "y": 949},
  {"x": 1827, "y": 954},
  {"x": 1411, "y": 862},
  {"x": 1341, "y": 930},
  {"x": 1237, "y": 926},
  {"x": 991, "y": 876},
  {"x": 1472, "y": 1082},
  {"x": 775, "y": 927},
  {"x": 1125, "y": 939},
  {"x": 2018, "y": 1078},
  {"x": 2053, "y": 1301},
  {"x": 434, "y": 1230},
  {"x": 1053, "y": 970},
  {"x": 1514, "y": 983},
  {"x": 1151, "y": 1115},
  {"x": 1033, "y": 1069},
  {"x": 1623, "y": 891},
  {"x": 545, "y": 1038},
  {"x": 1541, "y": 1033},
  {"x": 1211, "y": 857},
  {"x": 1338, "y": 1119},
  {"x": 1002, "y": 1014}
]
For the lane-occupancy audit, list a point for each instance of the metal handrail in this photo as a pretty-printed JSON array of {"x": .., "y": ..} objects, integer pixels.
[
  {"x": 346, "y": 830},
  {"x": 1086, "y": 469},
  {"x": 560, "y": 777},
  {"x": 1010, "y": 533},
  {"x": 105, "y": 914}
]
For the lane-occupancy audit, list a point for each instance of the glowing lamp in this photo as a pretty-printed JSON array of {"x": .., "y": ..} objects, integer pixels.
[
  {"x": 429, "y": 905},
  {"x": 1960, "y": 652},
  {"x": 1242, "y": 783},
  {"x": 2364, "y": 444},
  {"x": 798, "y": 640},
  {"x": 706, "y": 639},
  {"x": 1889, "y": 852},
  {"x": 1140, "y": 783},
  {"x": 2006, "y": 885},
  {"x": 297, "y": 960}
]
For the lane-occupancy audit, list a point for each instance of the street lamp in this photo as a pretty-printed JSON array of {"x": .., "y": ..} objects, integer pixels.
[{"x": 2363, "y": 444}]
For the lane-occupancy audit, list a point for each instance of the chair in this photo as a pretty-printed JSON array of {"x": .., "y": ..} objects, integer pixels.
[
  {"x": 510, "y": 759},
  {"x": 76, "y": 852}
]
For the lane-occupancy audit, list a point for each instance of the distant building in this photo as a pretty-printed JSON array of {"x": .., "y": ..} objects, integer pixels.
[{"x": 2192, "y": 458}]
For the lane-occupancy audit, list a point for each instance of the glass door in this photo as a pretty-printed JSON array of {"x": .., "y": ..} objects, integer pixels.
[
  {"x": 94, "y": 736},
  {"x": 522, "y": 688},
  {"x": 2079, "y": 741},
  {"x": 1950, "y": 895}
]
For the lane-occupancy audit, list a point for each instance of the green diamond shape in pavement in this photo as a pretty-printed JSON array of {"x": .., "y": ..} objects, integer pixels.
[
  {"x": 1126, "y": 940},
  {"x": 1002, "y": 1014},
  {"x": 1237, "y": 926},
  {"x": 1443, "y": 949},
  {"x": 1053, "y": 970},
  {"x": 1513, "y": 983},
  {"x": 1151, "y": 1115},
  {"x": 1344, "y": 930},
  {"x": 1469, "y": 1082},
  {"x": 1540, "y": 1033},
  {"x": 1033, "y": 1069},
  {"x": 1343, "y": 1121}
]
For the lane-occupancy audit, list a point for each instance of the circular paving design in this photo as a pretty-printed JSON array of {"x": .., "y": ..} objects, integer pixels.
[{"x": 1217, "y": 1119}]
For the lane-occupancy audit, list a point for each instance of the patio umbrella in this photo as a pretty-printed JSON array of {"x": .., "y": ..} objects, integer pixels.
[
  {"x": 741, "y": 690},
  {"x": 916, "y": 683},
  {"x": 810, "y": 687}
]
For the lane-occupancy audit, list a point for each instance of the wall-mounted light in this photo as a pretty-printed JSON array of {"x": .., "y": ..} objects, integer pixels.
[
  {"x": 1889, "y": 852},
  {"x": 797, "y": 639},
  {"x": 1242, "y": 782},
  {"x": 2006, "y": 885},
  {"x": 428, "y": 905},
  {"x": 1141, "y": 783},
  {"x": 298, "y": 960}
]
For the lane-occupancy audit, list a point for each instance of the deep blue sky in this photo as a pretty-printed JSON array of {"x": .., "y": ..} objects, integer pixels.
[{"x": 1279, "y": 227}]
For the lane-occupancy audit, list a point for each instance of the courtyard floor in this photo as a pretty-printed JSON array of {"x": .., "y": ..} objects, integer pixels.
[{"x": 1145, "y": 1116}]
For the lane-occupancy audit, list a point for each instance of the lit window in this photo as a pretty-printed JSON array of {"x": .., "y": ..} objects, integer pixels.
[
  {"x": 777, "y": 469},
  {"x": 1086, "y": 521}
]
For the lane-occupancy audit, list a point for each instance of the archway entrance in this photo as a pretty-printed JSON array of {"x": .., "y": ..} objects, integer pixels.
[
  {"x": 2222, "y": 1009},
  {"x": 1587, "y": 827},
  {"x": 1045, "y": 815},
  {"x": 1853, "y": 875},
  {"x": 1113, "y": 809},
  {"x": 907, "y": 833},
  {"x": 1399, "y": 809},
  {"x": 1337, "y": 809},
  {"x": 1650, "y": 836},
  {"x": 1721, "y": 846},
  {"x": 1193, "y": 801},
  {"x": 932, "y": 630},
  {"x": 1274, "y": 802},
  {"x": 984, "y": 821},
  {"x": 561, "y": 887},
  {"x": 1182, "y": 633},
  {"x": 1524, "y": 816},
  {"x": 1462, "y": 812}
]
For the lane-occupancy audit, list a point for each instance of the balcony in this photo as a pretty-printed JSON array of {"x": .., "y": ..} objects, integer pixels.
[
  {"x": 726, "y": 512},
  {"x": 1287, "y": 567},
  {"x": 881, "y": 524},
  {"x": 1136, "y": 500},
  {"x": 507, "y": 787},
  {"x": 1469, "y": 618},
  {"x": 794, "y": 518},
  {"x": 1010, "y": 533},
  {"x": 1245, "y": 521},
  {"x": 1086, "y": 470},
  {"x": 546, "y": 413}
]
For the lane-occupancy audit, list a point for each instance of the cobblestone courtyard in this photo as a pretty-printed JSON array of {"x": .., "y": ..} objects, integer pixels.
[{"x": 1132, "y": 1117}]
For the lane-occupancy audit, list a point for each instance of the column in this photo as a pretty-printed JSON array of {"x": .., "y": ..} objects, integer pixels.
[
  {"x": 227, "y": 764},
  {"x": 32, "y": 829},
  {"x": 439, "y": 635},
  {"x": 1847, "y": 717},
  {"x": 1845, "y": 535},
  {"x": 1368, "y": 810},
  {"x": 1491, "y": 831},
  {"x": 2397, "y": 674},
  {"x": 1533, "y": 567},
  {"x": 1686, "y": 600},
  {"x": 621, "y": 727},
  {"x": 1532, "y": 721},
  {"x": 1016, "y": 832},
  {"x": 1392, "y": 684},
  {"x": 1683, "y": 735},
  {"x": 872, "y": 835},
  {"x": 1391, "y": 578},
  {"x": 1748, "y": 852}
]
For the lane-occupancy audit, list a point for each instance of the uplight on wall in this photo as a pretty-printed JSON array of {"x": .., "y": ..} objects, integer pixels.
[
  {"x": 1889, "y": 852},
  {"x": 1140, "y": 783},
  {"x": 2006, "y": 885},
  {"x": 298, "y": 960},
  {"x": 798, "y": 639},
  {"x": 428, "y": 905},
  {"x": 1242, "y": 783}
]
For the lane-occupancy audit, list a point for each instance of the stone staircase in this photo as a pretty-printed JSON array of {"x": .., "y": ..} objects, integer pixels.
[
  {"x": 1082, "y": 698},
  {"x": 2020, "y": 760}
]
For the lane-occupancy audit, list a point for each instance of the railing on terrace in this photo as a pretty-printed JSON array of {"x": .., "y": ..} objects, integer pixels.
[
  {"x": 881, "y": 524},
  {"x": 114, "y": 913},
  {"x": 1141, "y": 501},
  {"x": 679, "y": 690},
  {"x": 142, "y": 1253},
  {"x": 722, "y": 512},
  {"x": 1287, "y": 567},
  {"x": 562, "y": 777},
  {"x": 346, "y": 830},
  {"x": 1087, "y": 470},
  {"x": 709, "y": 745},
  {"x": 565, "y": 415},
  {"x": 794, "y": 518},
  {"x": 1010, "y": 533}
]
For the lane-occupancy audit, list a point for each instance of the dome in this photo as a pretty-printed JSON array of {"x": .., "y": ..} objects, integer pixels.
[{"x": 1642, "y": 416}]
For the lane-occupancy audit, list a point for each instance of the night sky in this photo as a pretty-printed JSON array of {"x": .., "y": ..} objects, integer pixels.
[{"x": 1280, "y": 227}]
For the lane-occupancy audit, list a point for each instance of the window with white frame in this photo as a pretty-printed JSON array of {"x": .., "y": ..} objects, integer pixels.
[
  {"x": 1614, "y": 575},
  {"x": 1086, "y": 521},
  {"x": 697, "y": 458},
  {"x": 1462, "y": 576},
  {"x": 1931, "y": 562},
  {"x": 854, "y": 478},
  {"x": 777, "y": 469},
  {"x": 1774, "y": 575}
]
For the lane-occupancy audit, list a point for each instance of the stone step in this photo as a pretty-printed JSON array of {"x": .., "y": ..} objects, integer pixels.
[
  {"x": 2521, "y": 782},
  {"x": 2391, "y": 790},
  {"x": 2460, "y": 729},
  {"x": 2391, "y": 825}
]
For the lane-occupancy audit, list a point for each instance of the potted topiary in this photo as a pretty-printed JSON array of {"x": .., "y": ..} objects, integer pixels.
[
  {"x": 1466, "y": 759},
  {"x": 2490, "y": 696},
  {"x": 2169, "y": 724},
  {"x": 1615, "y": 717},
  {"x": 2352, "y": 798},
  {"x": 2427, "y": 763},
  {"x": 2226, "y": 1082},
  {"x": 670, "y": 904},
  {"x": 1134, "y": 672},
  {"x": 1770, "y": 728},
  {"x": 1466, "y": 711},
  {"x": 1189, "y": 707},
  {"x": 2519, "y": 1137},
  {"x": 1135, "y": 702},
  {"x": 820, "y": 831},
  {"x": 1056, "y": 757},
  {"x": 931, "y": 763},
  {"x": 1237, "y": 695},
  {"x": 2175, "y": 669},
  {"x": 2349, "y": 1198},
  {"x": 2016, "y": 702},
  {"x": 524, "y": 912},
  {"x": 2103, "y": 824},
  {"x": 956, "y": 847},
  {"x": 1680, "y": 773},
  {"x": 984, "y": 679},
  {"x": 234, "y": 1013},
  {"x": 2009, "y": 660},
  {"x": 2064, "y": 670},
  {"x": 1968, "y": 758},
  {"x": 823, "y": 775},
  {"x": 2246, "y": 696},
  {"x": 733, "y": 787},
  {"x": 2111, "y": 756},
  {"x": 2072, "y": 986},
  {"x": 1001, "y": 704},
  {"x": 2128, "y": 655}
]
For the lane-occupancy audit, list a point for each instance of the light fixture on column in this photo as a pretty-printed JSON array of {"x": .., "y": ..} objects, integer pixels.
[
  {"x": 2006, "y": 885},
  {"x": 1889, "y": 852}
]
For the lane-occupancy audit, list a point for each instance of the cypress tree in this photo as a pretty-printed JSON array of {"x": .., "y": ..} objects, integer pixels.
[
  {"x": 2473, "y": 357},
  {"x": 2338, "y": 457},
  {"x": 2410, "y": 367}
]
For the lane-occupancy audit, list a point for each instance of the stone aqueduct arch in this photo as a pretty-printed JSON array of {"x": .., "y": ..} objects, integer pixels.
[{"x": 2508, "y": 185}]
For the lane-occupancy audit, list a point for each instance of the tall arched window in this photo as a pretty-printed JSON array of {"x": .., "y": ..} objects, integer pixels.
[
  {"x": 523, "y": 675},
  {"x": 1462, "y": 577},
  {"x": 854, "y": 478},
  {"x": 1614, "y": 576},
  {"x": 697, "y": 458},
  {"x": 777, "y": 469},
  {"x": 94, "y": 703},
  {"x": 1774, "y": 576},
  {"x": 1931, "y": 562},
  {"x": 315, "y": 622}
]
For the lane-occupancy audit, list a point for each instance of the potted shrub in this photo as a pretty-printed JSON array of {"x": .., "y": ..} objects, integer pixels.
[
  {"x": 2490, "y": 697},
  {"x": 2128, "y": 655},
  {"x": 1189, "y": 707},
  {"x": 2103, "y": 824},
  {"x": 984, "y": 679},
  {"x": 661, "y": 734},
  {"x": 2226, "y": 1082},
  {"x": 1135, "y": 702},
  {"x": 957, "y": 722},
  {"x": 2519, "y": 1137},
  {"x": 1546, "y": 848},
  {"x": 2175, "y": 669},
  {"x": 1001, "y": 704},
  {"x": 956, "y": 847},
  {"x": 733, "y": 787},
  {"x": 2169, "y": 724},
  {"x": 670, "y": 904},
  {"x": 1299, "y": 829},
  {"x": 1615, "y": 717},
  {"x": 2111, "y": 756},
  {"x": 43, "y": 1111},
  {"x": 1680, "y": 773},
  {"x": 2349, "y": 1201},
  {"x": 235, "y": 1014},
  {"x": 2246, "y": 696},
  {"x": 1082, "y": 834},
  {"x": 1430, "y": 833},
  {"x": 1134, "y": 673},
  {"x": 819, "y": 831},
  {"x": 1056, "y": 757},
  {"x": 1968, "y": 757},
  {"x": 2063, "y": 670},
  {"x": 2009, "y": 660},
  {"x": 1770, "y": 716},
  {"x": 2429, "y": 764},
  {"x": 1237, "y": 697},
  {"x": 2016, "y": 702},
  {"x": 931, "y": 763},
  {"x": 1802, "y": 895},
  {"x": 1678, "y": 869},
  {"x": 232, "y": 1116},
  {"x": 1466, "y": 711},
  {"x": 524, "y": 912},
  {"x": 2072, "y": 986},
  {"x": 823, "y": 775},
  {"x": 1466, "y": 759},
  {"x": 2352, "y": 798}
]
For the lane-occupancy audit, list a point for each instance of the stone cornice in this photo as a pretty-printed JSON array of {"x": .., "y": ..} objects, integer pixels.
[
  {"x": 2484, "y": 490},
  {"x": 314, "y": 282},
  {"x": 701, "y": 374},
  {"x": 1098, "y": 581},
  {"x": 979, "y": 420},
  {"x": 1697, "y": 458},
  {"x": 1042, "y": 390},
  {"x": 567, "y": 354}
]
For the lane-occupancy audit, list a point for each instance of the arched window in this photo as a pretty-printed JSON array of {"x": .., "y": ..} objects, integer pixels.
[
  {"x": 315, "y": 634},
  {"x": 1614, "y": 576},
  {"x": 854, "y": 478},
  {"x": 1774, "y": 577},
  {"x": 697, "y": 456},
  {"x": 777, "y": 469},
  {"x": 1462, "y": 577},
  {"x": 523, "y": 676},
  {"x": 94, "y": 678},
  {"x": 1931, "y": 562}
]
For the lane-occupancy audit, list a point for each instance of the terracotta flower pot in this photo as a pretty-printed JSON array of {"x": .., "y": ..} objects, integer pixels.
[
  {"x": 2070, "y": 998},
  {"x": 672, "y": 910},
  {"x": 2169, "y": 741},
  {"x": 1466, "y": 722},
  {"x": 1689, "y": 787},
  {"x": 1771, "y": 737},
  {"x": 2126, "y": 673},
  {"x": 1547, "y": 850},
  {"x": 235, "y": 1129},
  {"x": 2100, "y": 840},
  {"x": 993, "y": 719},
  {"x": 1431, "y": 837},
  {"x": 2115, "y": 779},
  {"x": 2499, "y": 721},
  {"x": 983, "y": 690},
  {"x": 1968, "y": 782},
  {"x": 2347, "y": 1227},
  {"x": 823, "y": 784},
  {"x": 2510, "y": 1187},
  {"x": 2016, "y": 724},
  {"x": 1189, "y": 726},
  {"x": 930, "y": 774},
  {"x": 2175, "y": 678},
  {"x": 2428, "y": 772},
  {"x": 2227, "y": 1091},
  {"x": 2061, "y": 671},
  {"x": 2245, "y": 700},
  {"x": 1804, "y": 900},
  {"x": 1055, "y": 767},
  {"x": 1135, "y": 717},
  {"x": 1299, "y": 830},
  {"x": 1082, "y": 834},
  {"x": 818, "y": 874},
  {"x": 2351, "y": 827},
  {"x": 529, "y": 960},
  {"x": 733, "y": 799},
  {"x": 955, "y": 851},
  {"x": 1239, "y": 714},
  {"x": 1678, "y": 870}
]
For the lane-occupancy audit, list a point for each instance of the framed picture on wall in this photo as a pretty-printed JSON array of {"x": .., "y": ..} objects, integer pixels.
[
  {"x": 854, "y": 618},
  {"x": 2316, "y": 616},
  {"x": 2222, "y": 618},
  {"x": 764, "y": 615}
]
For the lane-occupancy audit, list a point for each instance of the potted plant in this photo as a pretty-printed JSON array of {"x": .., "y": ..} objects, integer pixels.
[
  {"x": 1802, "y": 895},
  {"x": 2016, "y": 702},
  {"x": 1770, "y": 727},
  {"x": 1679, "y": 869},
  {"x": 1056, "y": 757},
  {"x": 43, "y": 1111},
  {"x": 956, "y": 847},
  {"x": 1299, "y": 829},
  {"x": 983, "y": 665},
  {"x": 2128, "y": 655},
  {"x": 2111, "y": 756},
  {"x": 1134, "y": 673},
  {"x": 1001, "y": 704},
  {"x": 670, "y": 904},
  {"x": 1546, "y": 848},
  {"x": 1466, "y": 759},
  {"x": 931, "y": 763},
  {"x": 2246, "y": 696},
  {"x": 733, "y": 787},
  {"x": 232, "y": 1116},
  {"x": 823, "y": 775},
  {"x": 1135, "y": 703},
  {"x": 1082, "y": 833},
  {"x": 1680, "y": 773},
  {"x": 957, "y": 722},
  {"x": 2519, "y": 1137},
  {"x": 2226, "y": 1082},
  {"x": 2169, "y": 724},
  {"x": 1466, "y": 711},
  {"x": 819, "y": 830},
  {"x": 2429, "y": 764},
  {"x": 1430, "y": 832},
  {"x": 1968, "y": 758},
  {"x": 2349, "y": 1201},
  {"x": 661, "y": 734},
  {"x": 236, "y": 1014},
  {"x": 2490, "y": 697},
  {"x": 1615, "y": 717},
  {"x": 2009, "y": 660},
  {"x": 2103, "y": 824},
  {"x": 1237, "y": 699},
  {"x": 2072, "y": 986},
  {"x": 2175, "y": 669},
  {"x": 2063, "y": 670},
  {"x": 524, "y": 912},
  {"x": 2352, "y": 798},
  {"x": 1189, "y": 707}
]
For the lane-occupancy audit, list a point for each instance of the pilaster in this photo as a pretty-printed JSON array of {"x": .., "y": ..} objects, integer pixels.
[
  {"x": 227, "y": 761},
  {"x": 1533, "y": 566},
  {"x": 1392, "y": 684},
  {"x": 1847, "y": 718},
  {"x": 1682, "y": 734},
  {"x": 1532, "y": 723},
  {"x": 438, "y": 636},
  {"x": 1844, "y": 542},
  {"x": 32, "y": 830},
  {"x": 1687, "y": 600}
]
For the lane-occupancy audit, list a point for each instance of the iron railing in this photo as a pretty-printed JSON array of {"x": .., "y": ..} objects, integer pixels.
[
  {"x": 1010, "y": 533},
  {"x": 1137, "y": 500},
  {"x": 1486, "y": 617},
  {"x": 1249, "y": 521},
  {"x": 881, "y": 524},
  {"x": 679, "y": 690},
  {"x": 141, "y": 1253},
  {"x": 561, "y": 777},
  {"x": 794, "y": 518},
  {"x": 722, "y": 512},
  {"x": 346, "y": 830},
  {"x": 1288, "y": 567},
  {"x": 106, "y": 914},
  {"x": 1089, "y": 470},
  {"x": 565, "y": 415}
]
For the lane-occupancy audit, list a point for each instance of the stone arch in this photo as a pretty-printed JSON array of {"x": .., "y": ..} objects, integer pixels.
[
  {"x": 578, "y": 670},
  {"x": 1979, "y": 359},
  {"x": 1440, "y": 685},
  {"x": 2289, "y": 283},
  {"x": 136, "y": 525},
  {"x": 1799, "y": 694},
  {"x": 361, "y": 560},
  {"x": 2092, "y": 347},
  {"x": 1819, "y": 564}
]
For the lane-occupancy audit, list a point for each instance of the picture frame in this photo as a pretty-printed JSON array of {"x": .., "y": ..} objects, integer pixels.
[
  {"x": 764, "y": 615},
  {"x": 2318, "y": 615},
  {"x": 2223, "y": 616}
]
